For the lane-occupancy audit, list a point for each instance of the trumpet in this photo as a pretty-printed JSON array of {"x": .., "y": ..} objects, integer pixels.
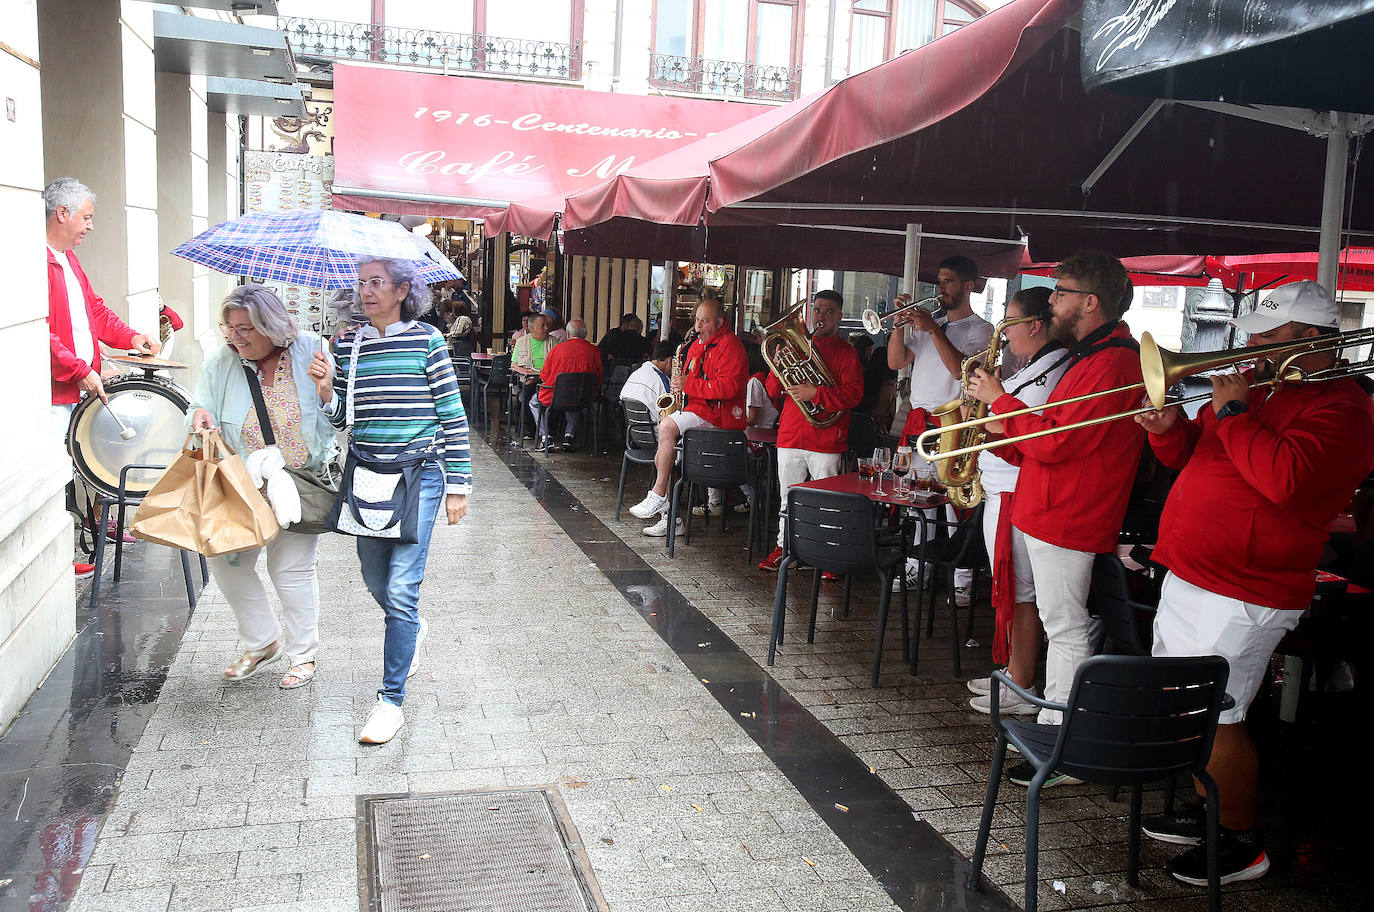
[
  {"x": 1161, "y": 369},
  {"x": 873, "y": 322}
]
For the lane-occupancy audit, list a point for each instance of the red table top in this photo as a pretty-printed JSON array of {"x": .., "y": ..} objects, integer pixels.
[
  {"x": 761, "y": 435},
  {"x": 852, "y": 483},
  {"x": 481, "y": 356},
  {"x": 525, "y": 371}
]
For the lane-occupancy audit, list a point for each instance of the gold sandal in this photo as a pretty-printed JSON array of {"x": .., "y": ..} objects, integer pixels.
[
  {"x": 251, "y": 662},
  {"x": 300, "y": 673}
]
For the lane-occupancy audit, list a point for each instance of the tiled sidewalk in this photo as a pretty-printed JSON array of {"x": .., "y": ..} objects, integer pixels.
[{"x": 536, "y": 670}]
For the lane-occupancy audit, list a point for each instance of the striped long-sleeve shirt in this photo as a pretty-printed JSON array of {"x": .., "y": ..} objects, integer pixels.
[{"x": 405, "y": 397}]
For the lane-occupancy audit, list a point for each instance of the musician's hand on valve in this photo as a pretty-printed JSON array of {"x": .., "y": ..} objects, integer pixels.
[
  {"x": 806, "y": 392},
  {"x": 1229, "y": 388},
  {"x": 922, "y": 320},
  {"x": 984, "y": 386},
  {"x": 676, "y": 384}
]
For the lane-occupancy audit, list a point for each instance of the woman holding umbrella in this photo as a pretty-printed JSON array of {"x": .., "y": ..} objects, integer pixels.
[{"x": 405, "y": 403}]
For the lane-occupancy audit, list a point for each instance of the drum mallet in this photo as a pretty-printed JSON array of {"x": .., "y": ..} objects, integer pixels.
[{"x": 125, "y": 432}]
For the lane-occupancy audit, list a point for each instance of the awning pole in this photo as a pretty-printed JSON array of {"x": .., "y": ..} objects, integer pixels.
[
  {"x": 1333, "y": 200},
  {"x": 912, "y": 260}
]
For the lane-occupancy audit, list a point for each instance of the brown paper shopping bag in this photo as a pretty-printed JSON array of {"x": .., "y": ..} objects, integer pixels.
[{"x": 206, "y": 502}]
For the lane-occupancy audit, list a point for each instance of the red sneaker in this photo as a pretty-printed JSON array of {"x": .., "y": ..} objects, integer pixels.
[
  {"x": 829, "y": 577},
  {"x": 772, "y": 562},
  {"x": 83, "y": 571}
]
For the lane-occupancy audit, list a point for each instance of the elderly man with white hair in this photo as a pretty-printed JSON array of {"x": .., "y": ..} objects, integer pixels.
[
  {"x": 77, "y": 317},
  {"x": 575, "y": 356}
]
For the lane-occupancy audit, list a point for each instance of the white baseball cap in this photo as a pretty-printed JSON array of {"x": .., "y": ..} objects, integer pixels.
[{"x": 1298, "y": 302}]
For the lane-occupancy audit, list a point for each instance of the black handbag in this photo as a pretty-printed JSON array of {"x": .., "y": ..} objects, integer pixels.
[
  {"x": 380, "y": 498},
  {"x": 318, "y": 492}
]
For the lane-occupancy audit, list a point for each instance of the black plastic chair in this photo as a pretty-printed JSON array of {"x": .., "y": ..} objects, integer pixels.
[
  {"x": 1127, "y": 623},
  {"x": 863, "y": 436},
  {"x": 496, "y": 374},
  {"x": 711, "y": 458},
  {"x": 954, "y": 546},
  {"x": 835, "y": 531},
  {"x": 121, "y": 502},
  {"x": 641, "y": 443},
  {"x": 617, "y": 372},
  {"x": 1129, "y": 720},
  {"x": 576, "y": 392},
  {"x": 462, "y": 372}
]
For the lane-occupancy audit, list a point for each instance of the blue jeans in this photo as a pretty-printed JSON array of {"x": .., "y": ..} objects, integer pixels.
[
  {"x": 393, "y": 573},
  {"x": 571, "y": 420}
]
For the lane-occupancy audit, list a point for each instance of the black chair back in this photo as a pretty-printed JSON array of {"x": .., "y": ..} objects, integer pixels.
[
  {"x": 499, "y": 375},
  {"x": 462, "y": 369},
  {"x": 573, "y": 391},
  {"x": 615, "y": 382},
  {"x": 461, "y": 348},
  {"x": 863, "y": 435},
  {"x": 831, "y": 530},
  {"x": 1126, "y": 622},
  {"x": 715, "y": 458},
  {"x": 1137, "y": 719},
  {"x": 641, "y": 430}
]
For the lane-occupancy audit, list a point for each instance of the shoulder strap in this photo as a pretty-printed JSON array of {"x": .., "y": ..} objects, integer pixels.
[{"x": 259, "y": 405}]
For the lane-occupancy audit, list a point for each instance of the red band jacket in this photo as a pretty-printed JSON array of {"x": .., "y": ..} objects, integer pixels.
[
  {"x": 715, "y": 378},
  {"x": 794, "y": 431},
  {"x": 67, "y": 368}
]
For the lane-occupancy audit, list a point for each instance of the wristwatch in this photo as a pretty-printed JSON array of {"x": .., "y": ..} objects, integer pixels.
[{"x": 1232, "y": 408}]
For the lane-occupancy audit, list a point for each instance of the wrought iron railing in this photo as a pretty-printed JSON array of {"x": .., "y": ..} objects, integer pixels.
[
  {"x": 331, "y": 40},
  {"x": 728, "y": 78}
]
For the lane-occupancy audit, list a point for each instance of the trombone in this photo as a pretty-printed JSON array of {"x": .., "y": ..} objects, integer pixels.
[
  {"x": 873, "y": 322},
  {"x": 1162, "y": 369}
]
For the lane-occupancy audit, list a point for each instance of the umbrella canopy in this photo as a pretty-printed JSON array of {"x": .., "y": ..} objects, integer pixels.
[
  {"x": 312, "y": 248},
  {"x": 988, "y": 132}
]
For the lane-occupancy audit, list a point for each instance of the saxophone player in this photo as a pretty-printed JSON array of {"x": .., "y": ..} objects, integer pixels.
[
  {"x": 803, "y": 449},
  {"x": 715, "y": 371}
]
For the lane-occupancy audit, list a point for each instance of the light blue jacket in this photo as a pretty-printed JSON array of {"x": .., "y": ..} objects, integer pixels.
[{"x": 222, "y": 390}]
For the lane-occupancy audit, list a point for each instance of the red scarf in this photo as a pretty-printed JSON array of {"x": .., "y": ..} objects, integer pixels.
[
  {"x": 1003, "y": 583},
  {"x": 917, "y": 421}
]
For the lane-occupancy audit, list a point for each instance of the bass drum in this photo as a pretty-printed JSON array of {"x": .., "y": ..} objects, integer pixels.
[{"x": 154, "y": 408}]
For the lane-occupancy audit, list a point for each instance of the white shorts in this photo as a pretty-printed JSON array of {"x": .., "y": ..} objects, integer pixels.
[
  {"x": 1020, "y": 557},
  {"x": 687, "y": 421},
  {"x": 1192, "y": 621}
]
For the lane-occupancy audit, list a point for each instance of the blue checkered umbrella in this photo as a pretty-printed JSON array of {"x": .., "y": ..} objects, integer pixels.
[{"x": 318, "y": 249}]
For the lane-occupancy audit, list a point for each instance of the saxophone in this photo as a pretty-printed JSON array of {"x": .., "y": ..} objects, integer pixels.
[
  {"x": 960, "y": 474},
  {"x": 671, "y": 402},
  {"x": 792, "y": 360}
]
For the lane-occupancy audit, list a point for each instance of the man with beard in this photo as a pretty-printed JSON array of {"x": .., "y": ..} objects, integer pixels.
[{"x": 1072, "y": 492}]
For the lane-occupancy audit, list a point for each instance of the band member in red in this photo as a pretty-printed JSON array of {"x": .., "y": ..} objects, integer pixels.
[
  {"x": 715, "y": 371},
  {"x": 1264, "y": 474},
  {"x": 806, "y": 451},
  {"x": 1072, "y": 492}
]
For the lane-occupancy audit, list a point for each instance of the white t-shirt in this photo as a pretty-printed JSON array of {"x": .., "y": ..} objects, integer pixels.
[
  {"x": 645, "y": 385},
  {"x": 932, "y": 384},
  {"x": 1032, "y": 384},
  {"x": 758, "y": 398},
  {"x": 83, "y": 344}
]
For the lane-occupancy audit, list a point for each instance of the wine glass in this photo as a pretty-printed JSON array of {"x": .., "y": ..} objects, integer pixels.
[
  {"x": 901, "y": 465},
  {"x": 882, "y": 462}
]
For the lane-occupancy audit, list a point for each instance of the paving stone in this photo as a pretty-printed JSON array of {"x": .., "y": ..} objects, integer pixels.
[{"x": 224, "y": 894}]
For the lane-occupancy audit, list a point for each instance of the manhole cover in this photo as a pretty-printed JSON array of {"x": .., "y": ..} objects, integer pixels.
[{"x": 478, "y": 852}]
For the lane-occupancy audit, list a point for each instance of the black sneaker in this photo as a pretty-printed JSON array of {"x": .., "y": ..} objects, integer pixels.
[
  {"x": 568, "y": 445},
  {"x": 1187, "y": 825},
  {"x": 1022, "y": 774},
  {"x": 1236, "y": 860}
]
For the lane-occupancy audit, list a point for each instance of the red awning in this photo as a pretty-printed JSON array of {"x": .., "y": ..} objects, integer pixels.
[
  {"x": 429, "y": 144},
  {"x": 1244, "y": 273}
]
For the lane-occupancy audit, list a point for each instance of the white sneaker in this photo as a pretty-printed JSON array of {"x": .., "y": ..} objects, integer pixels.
[
  {"x": 660, "y": 528},
  {"x": 650, "y": 506},
  {"x": 419, "y": 638},
  {"x": 963, "y": 595},
  {"x": 913, "y": 574},
  {"x": 980, "y": 685},
  {"x": 386, "y": 720},
  {"x": 707, "y": 510},
  {"x": 1009, "y": 704}
]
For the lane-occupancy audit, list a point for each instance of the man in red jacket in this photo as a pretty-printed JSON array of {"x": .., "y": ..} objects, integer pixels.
[
  {"x": 715, "y": 374},
  {"x": 1072, "y": 492},
  {"x": 804, "y": 450},
  {"x": 1264, "y": 474},
  {"x": 575, "y": 356}
]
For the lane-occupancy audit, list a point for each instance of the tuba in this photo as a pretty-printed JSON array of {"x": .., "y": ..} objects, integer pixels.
[
  {"x": 792, "y": 360},
  {"x": 960, "y": 475},
  {"x": 670, "y": 402}
]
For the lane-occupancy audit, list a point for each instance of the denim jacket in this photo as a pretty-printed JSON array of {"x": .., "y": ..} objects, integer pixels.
[{"x": 222, "y": 390}]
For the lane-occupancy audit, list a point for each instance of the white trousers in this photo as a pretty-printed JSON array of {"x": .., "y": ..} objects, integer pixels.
[
  {"x": 1020, "y": 558},
  {"x": 1062, "y": 580},
  {"x": 291, "y": 567},
  {"x": 796, "y": 466}
]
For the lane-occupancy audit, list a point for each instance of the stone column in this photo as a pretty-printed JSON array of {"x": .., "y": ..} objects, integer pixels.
[
  {"x": 1206, "y": 315},
  {"x": 183, "y": 205}
]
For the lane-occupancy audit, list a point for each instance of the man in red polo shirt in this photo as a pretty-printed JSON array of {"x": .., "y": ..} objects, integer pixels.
[
  {"x": 1072, "y": 492},
  {"x": 1263, "y": 476},
  {"x": 804, "y": 450},
  {"x": 715, "y": 373},
  {"x": 574, "y": 356}
]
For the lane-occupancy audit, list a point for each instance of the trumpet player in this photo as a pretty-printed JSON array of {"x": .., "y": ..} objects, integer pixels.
[
  {"x": 806, "y": 451},
  {"x": 714, "y": 373},
  {"x": 1263, "y": 477},
  {"x": 1073, "y": 486}
]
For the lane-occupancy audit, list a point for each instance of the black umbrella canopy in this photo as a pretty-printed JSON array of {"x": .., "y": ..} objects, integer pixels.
[{"x": 1299, "y": 53}]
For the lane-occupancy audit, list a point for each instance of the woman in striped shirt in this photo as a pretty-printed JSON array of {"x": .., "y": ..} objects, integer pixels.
[{"x": 405, "y": 401}]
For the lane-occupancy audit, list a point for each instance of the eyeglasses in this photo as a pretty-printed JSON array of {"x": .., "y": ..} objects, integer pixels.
[
  {"x": 375, "y": 283},
  {"x": 1060, "y": 291},
  {"x": 237, "y": 329}
]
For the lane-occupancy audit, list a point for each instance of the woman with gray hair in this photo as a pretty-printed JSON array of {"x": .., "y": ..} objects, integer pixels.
[
  {"x": 394, "y": 388},
  {"x": 260, "y": 333}
]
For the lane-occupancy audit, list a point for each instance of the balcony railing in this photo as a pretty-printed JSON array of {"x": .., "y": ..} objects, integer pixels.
[
  {"x": 727, "y": 78},
  {"x": 330, "y": 40}
]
